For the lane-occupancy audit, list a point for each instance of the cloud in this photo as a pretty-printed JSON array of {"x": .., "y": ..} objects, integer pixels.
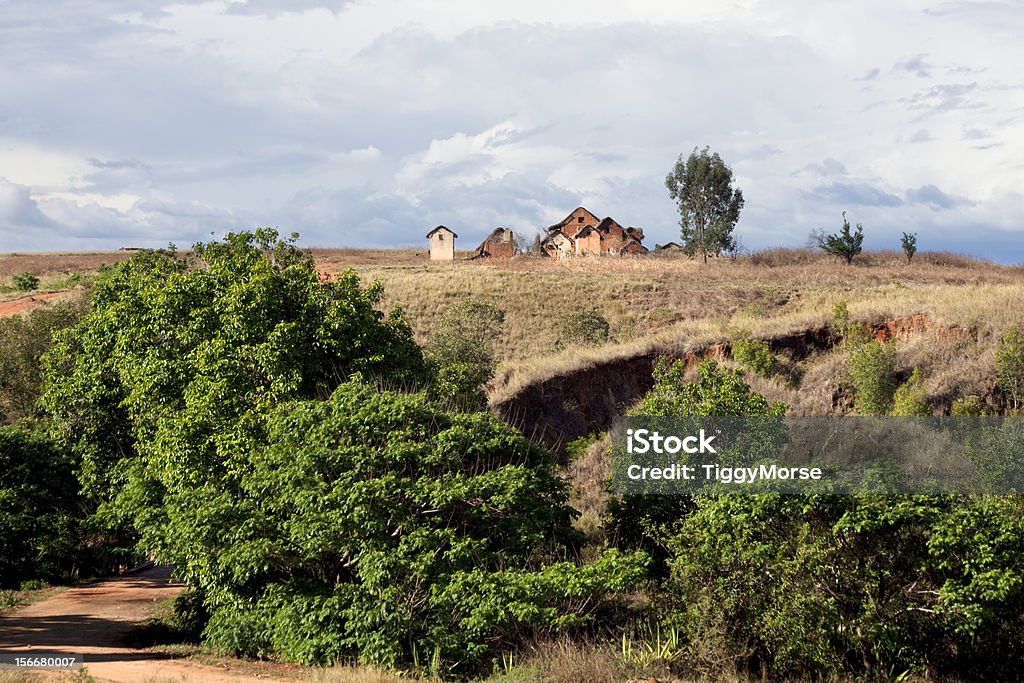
[
  {"x": 915, "y": 65},
  {"x": 826, "y": 167},
  {"x": 932, "y": 197},
  {"x": 857, "y": 194},
  {"x": 942, "y": 98},
  {"x": 922, "y": 135},
  {"x": 18, "y": 209}
]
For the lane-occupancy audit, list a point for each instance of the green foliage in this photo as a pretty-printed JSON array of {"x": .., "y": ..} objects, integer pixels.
[
  {"x": 645, "y": 522},
  {"x": 850, "y": 335},
  {"x": 461, "y": 349},
  {"x": 909, "y": 243},
  {"x": 25, "y": 282},
  {"x": 380, "y": 526},
  {"x": 871, "y": 368},
  {"x": 709, "y": 206},
  {"x": 157, "y": 390},
  {"x": 813, "y": 586},
  {"x": 844, "y": 244},
  {"x": 910, "y": 399},
  {"x": 584, "y": 327},
  {"x": 1010, "y": 366},
  {"x": 970, "y": 406},
  {"x": 755, "y": 356},
  {"x": 715, "y": 391},
  {"x": 39, "y": 509},
  {"x": 23, "y": 341}
]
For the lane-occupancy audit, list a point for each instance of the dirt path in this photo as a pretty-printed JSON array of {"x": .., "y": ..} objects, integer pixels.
[
  {"x": 93, "y": 620},
  {"x": 27, "y": 303}
]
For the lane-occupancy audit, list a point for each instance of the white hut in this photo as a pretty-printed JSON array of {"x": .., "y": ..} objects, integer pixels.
[{"x": 442, "y": 244}]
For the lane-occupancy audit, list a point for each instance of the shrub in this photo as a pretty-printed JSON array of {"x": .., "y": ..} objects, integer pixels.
[
  {"x": 850, "y": 335},
  {"x": 819, "y": 587},
  {"x": 1010, "y": 366},
  {"x": 25, "y": 282},
  {"x": 755, "y": 356},
  {"x": 970, "y": 406},
  {"x": 23, "y": 341},
  {"x": 871, "y": 368},
  {"x": 909, "y": 244},
  {"x": 461, "y": 350},
  {"x": 39, "y": 510},
  {"x": 910, "y": 399},
  {"x": 158, "y": 391},
  {"x": 844, "y": 244},
  {"x": 646, "y": 521},
  {"x": 381, "y": 526},
  {"x": 585, "y": 327}
]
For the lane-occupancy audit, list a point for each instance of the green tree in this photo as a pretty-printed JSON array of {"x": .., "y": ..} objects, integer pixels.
[
  {"x": 461, "y": 348},
  {"x": 585, "y": 327},
  {"x": 647, "y": 521},
  {"x": 259, "y": 428},
  {"x": 384, "y": 527},
  {"x": 871, "y": 368},
  {"x": 158, "y": 389},
  {"x": 709, "y": 206},
  {"x": 1010, "y": 366},
  {"x": 23, "y": 341},
  {"x": 910, "y": 399},
  {"x": 26, "y": 282},
  {"x": 40, "y": 514},
  {"x": 909, "y": 244},
  {"x": 845, "y": 244}
]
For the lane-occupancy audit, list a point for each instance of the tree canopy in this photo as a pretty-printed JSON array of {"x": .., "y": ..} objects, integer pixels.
[{"x": 709, "y": 206}]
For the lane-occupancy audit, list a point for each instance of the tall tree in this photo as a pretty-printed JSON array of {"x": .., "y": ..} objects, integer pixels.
[{"x": 709, "y": 206}]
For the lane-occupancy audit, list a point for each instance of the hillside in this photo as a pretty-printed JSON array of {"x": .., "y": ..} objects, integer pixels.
[{"x": 674, "y": 306}]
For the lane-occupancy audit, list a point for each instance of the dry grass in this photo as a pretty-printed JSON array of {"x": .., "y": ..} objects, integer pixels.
[
  {"x": 353, "y": 674},
  {"x": 57, "y": 264}
]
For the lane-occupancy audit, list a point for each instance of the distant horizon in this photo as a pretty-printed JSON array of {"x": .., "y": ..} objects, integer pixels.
[{"x": 368, "y": 122}]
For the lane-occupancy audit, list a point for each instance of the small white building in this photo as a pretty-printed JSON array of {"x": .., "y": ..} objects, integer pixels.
[{"x": 442, "y": 244}]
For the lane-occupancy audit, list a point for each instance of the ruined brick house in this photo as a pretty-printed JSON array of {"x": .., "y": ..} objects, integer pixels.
[
  {"x": 501, "y": 243},
  {"x": 581, "y": 233}
]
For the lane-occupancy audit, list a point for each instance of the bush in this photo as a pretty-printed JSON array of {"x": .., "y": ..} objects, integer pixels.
[
  {"x": 461, "y": 350},
  {"x": 25, "y": 282},
  {"x": 850, "y": 335},
  {"x": 380, "y": 526},
  {"x": 23, "y": 341},
  {"x": 755, "y": 356},
  {"x": 1010, "y": 366},
  {"x": 585, "y": 327},
  {"x": 817, "y": 587},
  {"x": 157, "y": 392},
  {"x": 844, "y": 244},
  {"x": 646, "y": 521},
  {"x": 871, "y": 368},
  {"x": 909, "y": 244},
  {"x": 39, "y": 510},
  {"x": 910, "y": 399},
  {"x": 970, "y": 406}
]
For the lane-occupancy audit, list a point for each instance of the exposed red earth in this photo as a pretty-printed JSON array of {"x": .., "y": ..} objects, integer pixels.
[{"x": 93, "y": 620}]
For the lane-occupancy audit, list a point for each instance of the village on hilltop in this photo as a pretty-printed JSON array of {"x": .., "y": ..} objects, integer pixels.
[{"x": 581, "y": 233}]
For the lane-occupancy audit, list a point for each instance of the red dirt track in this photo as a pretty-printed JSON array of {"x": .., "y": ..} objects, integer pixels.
[{"x": 93, "y": 620}]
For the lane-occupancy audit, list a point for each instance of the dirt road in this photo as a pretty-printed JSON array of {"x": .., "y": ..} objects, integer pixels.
[
  {"x": 93, "y": 620},
  {"x": 27, "y": 303}
]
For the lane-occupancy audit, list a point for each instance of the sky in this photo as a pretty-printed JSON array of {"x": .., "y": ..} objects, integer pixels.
[{"x": 365, "y": 123}]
